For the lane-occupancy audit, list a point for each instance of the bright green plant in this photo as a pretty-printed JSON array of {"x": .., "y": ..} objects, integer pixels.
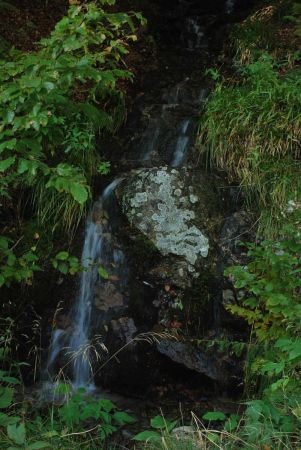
[
  {"x": 81, "y": 408},
  {"x": 53, "y": 103},
  {"x": 66, "y": 263},
  {"x": 16, "y": 268},
  {"x": 272, "y": 307},
  {"x": 252, "y": 130},
  {"x": 160, "y": 427},
  {"x": 54, "y": 426}
]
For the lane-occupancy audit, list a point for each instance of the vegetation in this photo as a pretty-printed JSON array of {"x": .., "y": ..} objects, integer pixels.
[
  {"x": 80, "y": 422},
  {"x": 56, "y": 103},
  {"x": 53, "y": 103},
  {"x": 251, "y": 127}
]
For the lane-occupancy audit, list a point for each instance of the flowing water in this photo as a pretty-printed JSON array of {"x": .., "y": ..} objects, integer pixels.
[
  {"x": 73, "y": 345},
  {"x": 170, "y": 133}
]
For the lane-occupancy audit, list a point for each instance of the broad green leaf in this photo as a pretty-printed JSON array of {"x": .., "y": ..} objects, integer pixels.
[
  {"x": 214, "y": 415},
  {"x": 102, "y": 272},
  {"x": 79, "y": 193},
  {"x": 122, "y": 417},
  {"x": 146, "y": 436},
  {"x": 6, "y": 396},
  {"x": 62, "y": 256},
  {"x": 6, "y": 163},
  {"x": 8, "y": 145},
  {"x": 158, "y": 422},
  {"x": 17, "y": 433}
]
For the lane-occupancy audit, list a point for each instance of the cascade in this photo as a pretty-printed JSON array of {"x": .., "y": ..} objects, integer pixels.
[
  {"x": 73, "y": 345},
  {"x": 170, "y": 132}
]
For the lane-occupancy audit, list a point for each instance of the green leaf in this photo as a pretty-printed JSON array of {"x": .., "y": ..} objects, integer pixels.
[
  {"x": 102, "y": 272},
  {"x": 215, "y": 415},
  {"x": 63, "y": 268},
  {"x": 79, "y": 193},
  {"x": 62, "y": 256},
  {"x": 6, "y": 396},
  {"x": 122, "y": 417},
  {"x": 6, "y": 419},
  {"x": 37, "y": 445},
  {"x": 17, "y": 433},
  {"x": 8, "y": 145},
  {"x": 158, "y": 422},
  {"x": 6, "y": 163},
  {"x": 147, "y": 436},
  {"x": 232, "y": 423},
  {"x": 106, "y": 405}
]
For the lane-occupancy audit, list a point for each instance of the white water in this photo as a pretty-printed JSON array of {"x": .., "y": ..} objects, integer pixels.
[
  {"x": 181, "y": 145},
  {"x": 79, "y": 341},
  {"x": 230, "y": 6},
  {"x": 75, "y": 344},
  {"x": 195, "y": 39}
]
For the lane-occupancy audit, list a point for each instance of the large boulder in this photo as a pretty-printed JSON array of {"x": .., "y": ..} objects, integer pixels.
[{"x": 178, "y": 212}]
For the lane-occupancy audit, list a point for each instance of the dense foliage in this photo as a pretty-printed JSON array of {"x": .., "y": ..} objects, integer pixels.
[
  {"x": 251, "y": 127},
  {"x": 53, "y": 104}
]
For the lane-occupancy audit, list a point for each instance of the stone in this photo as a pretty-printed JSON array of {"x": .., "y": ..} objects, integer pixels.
[
  {"x": 190, "y": 356},
  {"x": 124, "y": 328},
  {"x": 228, "y": 297},
  {"x": 108, "y": 297},
  {"x": 177, "y": 210}
]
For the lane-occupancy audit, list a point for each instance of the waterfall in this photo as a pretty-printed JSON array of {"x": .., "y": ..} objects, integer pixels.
[
  {"x": 168, "y": 135},
  {"x": 79, "y": 340},
  {"x": 73, "y": 345},
  {"x": 181, "y": 145}
]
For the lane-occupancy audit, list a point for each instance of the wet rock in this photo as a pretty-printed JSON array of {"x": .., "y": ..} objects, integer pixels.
[
  {"x": 108, "y": 297},
  {"x": 183, "y": 432},
  {"x": 237, "y": 227},
  {"x": 124, "y": 329},
  {"x": 228, "y": 297}
]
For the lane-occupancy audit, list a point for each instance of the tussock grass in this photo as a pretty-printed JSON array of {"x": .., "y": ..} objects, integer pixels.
[
  {"x": 57, "y": 209},
  {"x": 253, "y": 131}
]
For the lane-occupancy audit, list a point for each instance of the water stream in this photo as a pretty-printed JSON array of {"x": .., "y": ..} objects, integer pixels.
[
  {"x": 170, "y": 131},
  {"x": 73, "y": 345}
]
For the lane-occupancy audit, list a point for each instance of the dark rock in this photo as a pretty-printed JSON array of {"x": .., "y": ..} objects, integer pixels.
[{"x": 191, "y": 357}]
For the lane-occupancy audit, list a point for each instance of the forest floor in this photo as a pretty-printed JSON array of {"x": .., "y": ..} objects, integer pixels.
[{"x": 24, "y": 22}]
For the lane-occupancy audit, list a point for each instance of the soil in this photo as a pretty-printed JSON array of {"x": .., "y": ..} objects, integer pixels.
[{"x": 24, "y": 22}]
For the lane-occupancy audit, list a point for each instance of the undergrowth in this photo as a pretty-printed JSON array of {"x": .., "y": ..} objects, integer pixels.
[{"x": 251, "y": 126}]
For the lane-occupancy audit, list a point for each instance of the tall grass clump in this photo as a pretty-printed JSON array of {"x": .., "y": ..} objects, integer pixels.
[{"x": 252, "y": 129}]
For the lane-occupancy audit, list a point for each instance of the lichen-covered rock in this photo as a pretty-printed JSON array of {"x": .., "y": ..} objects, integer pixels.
[{"x": 177, "y": 210}]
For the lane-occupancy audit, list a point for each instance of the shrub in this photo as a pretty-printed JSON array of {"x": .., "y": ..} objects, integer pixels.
[
  {"x": 271, "y": 304},
  {"x": 54, "y": 101}
]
